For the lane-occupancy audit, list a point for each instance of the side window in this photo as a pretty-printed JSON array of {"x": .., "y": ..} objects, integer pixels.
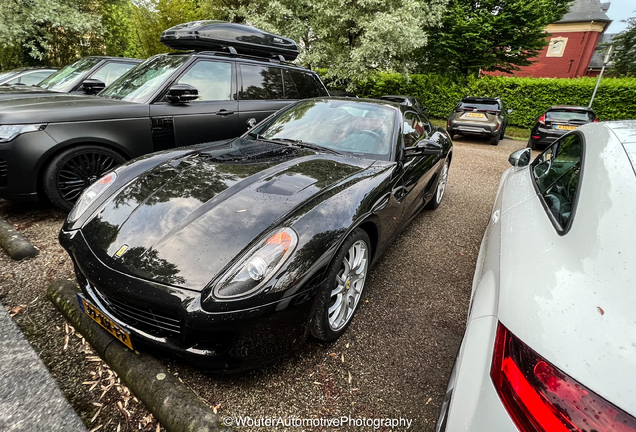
[
  {"x": 111, "y": 71},
  {"x": 556, "y": 172},
  {"x": 213, "y": 80},
  {"x": 412, "y": 129},
  {"x": 302, "y": 85},
  {"x": 34, "y": 77},
  {"x": 259, "y": 82}
]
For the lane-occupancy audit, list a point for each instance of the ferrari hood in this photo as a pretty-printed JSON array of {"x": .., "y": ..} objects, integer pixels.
[
  {"x": 58, "y": 108},
  {"x": 183, "y": 221}
]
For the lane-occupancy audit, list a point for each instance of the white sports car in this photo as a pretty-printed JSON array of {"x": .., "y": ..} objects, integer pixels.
[{"x": 550, "y": 342}]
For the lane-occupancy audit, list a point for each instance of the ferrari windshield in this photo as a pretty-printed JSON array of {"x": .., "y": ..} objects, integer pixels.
[
  {"x": 359, "y": 128},
  {"x": 141, "y": 82},
  {"x": 64, "y": 79}
]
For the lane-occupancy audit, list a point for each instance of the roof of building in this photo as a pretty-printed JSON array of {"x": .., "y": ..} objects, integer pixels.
[
  {"x": 596, "y": 62},
  {"x": 587, "y": 10}
]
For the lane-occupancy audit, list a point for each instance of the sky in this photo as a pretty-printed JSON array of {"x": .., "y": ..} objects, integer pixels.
[{"x": 619, "y": 10}]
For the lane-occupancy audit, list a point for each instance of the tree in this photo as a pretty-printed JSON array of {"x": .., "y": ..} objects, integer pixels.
[
  {"x": 151, "y": 17},
  {"x": 349, "y": 38},
  {"x": 625, "y": 45},
  {"x": 492, "y": 35},
  {"x": 49, "y": 30}
]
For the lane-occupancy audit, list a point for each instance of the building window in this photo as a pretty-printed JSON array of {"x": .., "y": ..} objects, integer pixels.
[{"x": 557, "y": 47}]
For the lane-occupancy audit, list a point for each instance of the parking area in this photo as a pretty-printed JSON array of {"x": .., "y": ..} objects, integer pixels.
[{"x": 393, "y": 361}]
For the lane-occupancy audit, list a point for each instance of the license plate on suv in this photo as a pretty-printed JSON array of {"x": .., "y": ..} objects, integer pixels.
[
  {"x": 565, "y": 127},
  {"x": 100, "y": 318},
  {"x": 476, "y": 115}
]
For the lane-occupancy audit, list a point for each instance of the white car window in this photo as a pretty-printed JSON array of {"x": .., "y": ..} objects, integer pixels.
[{"x": 556, "y": 172}]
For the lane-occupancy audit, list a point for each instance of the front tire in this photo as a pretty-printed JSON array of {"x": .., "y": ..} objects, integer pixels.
[
  {"x": 74, "y": 169},
  {"x": 339, "y": 297}
]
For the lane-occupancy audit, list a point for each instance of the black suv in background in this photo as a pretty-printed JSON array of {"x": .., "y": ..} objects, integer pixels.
[
  {"x": 88, "y": 75},
  {"x": 60, "y": 144},
  {"x": 479, "y": 116},
  {"x": 557, "y": 121}
]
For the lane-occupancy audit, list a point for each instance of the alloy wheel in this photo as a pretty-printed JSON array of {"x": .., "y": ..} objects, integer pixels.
[
  {"x": 441, "y": 185},
  {"x": 348, "y": 286},
  {"x": 80, "y": 171}
]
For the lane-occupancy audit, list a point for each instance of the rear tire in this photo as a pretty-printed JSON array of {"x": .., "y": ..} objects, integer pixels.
[
  {"x": 439, "y": 188},
  {"x": 494, "y": 140},
  {"x": 340, "y": 294},
  {"x": 451, "y": 134},
  {"x": 73, "y": 170},
  {"x": 532, "y": 145}
]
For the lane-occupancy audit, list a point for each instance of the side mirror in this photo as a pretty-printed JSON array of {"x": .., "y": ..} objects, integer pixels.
[
  {"x": 182, "y": 93},
  {"x": 251, "y": 122},
  {"x": 520, "y": 158},
  {"x": 424, "y": 148},
  {"x": 509, "y": 110},
  {"x": 92, "y": 86}
]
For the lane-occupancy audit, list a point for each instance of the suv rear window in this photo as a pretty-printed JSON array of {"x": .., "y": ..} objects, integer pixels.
[
  {"x": 566, "y": 115},
  {"x": 479, "y": 106},
  {"x": 301, "y": 85}
]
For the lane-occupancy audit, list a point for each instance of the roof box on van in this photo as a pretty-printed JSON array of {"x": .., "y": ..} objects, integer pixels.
[{"x": 215, "y": 35}]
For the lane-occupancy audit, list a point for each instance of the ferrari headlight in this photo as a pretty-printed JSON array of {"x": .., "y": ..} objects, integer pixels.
[
  {"x": 9, "y": 132},
  {"x": 90, "y": 194},
  {"x": 257, "y": 267}
]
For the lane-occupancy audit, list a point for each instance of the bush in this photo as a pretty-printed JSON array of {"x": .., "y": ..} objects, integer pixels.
[{"x": 527, "y": 97}]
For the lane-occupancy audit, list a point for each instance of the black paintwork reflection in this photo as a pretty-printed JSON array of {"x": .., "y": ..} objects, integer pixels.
[
  {"x": 148, "y": 265},
  {"x": 196, "y": 213}
]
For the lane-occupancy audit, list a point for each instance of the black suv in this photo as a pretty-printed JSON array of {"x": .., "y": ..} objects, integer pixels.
[
  {"x": 557, "y": 121},
  {"x": 59, "y": 145},
  {"x": 479, "y": 116},
  {"x": 88, "y": 75}
]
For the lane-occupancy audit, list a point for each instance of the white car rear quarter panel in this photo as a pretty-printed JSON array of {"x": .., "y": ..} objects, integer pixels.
[
  {"x": 572, "y": 298},
  {"x": 475, "y": 405}
]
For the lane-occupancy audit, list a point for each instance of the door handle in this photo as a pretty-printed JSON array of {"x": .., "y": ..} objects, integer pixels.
[{"x": 224, "y": 112}]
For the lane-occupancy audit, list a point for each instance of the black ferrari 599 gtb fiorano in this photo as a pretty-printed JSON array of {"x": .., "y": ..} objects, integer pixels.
[{"x": 231, "y": 253}]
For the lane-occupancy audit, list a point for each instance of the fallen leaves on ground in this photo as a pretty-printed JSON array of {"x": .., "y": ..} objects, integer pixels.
[{"x": 13, "y": 312}]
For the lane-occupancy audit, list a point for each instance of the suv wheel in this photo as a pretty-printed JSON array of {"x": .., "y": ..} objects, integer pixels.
[
  {"x": 73, "y": 170},
  {"x": 494, "y": 140}
]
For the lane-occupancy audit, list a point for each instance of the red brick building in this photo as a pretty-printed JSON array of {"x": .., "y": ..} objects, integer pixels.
[{"x": 572, "y": 42}]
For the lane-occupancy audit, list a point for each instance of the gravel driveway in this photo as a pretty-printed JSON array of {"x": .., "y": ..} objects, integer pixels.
[{"x": 393, "y": 361}]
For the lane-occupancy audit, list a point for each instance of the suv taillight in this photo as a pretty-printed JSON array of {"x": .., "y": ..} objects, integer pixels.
[
  {"x": 542, "y": 119},
  {"x": 541, "y": 398}
]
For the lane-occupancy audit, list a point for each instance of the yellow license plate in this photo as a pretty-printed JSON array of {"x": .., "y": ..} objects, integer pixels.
[
  {"x": 101, "y": 319},
  {"x": 566, "y": 127},
  {"x": 477, "y": 115}
]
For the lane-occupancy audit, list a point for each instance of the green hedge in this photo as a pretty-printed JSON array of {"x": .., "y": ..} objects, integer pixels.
[{"x": 527, "y": 97}]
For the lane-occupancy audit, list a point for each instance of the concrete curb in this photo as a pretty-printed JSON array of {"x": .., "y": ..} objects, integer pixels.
[
  {"x": 170, "y": 401},
  {"x": 14, "y": 243}
]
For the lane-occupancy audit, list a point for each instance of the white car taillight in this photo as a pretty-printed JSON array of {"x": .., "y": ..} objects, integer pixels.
[{"x": 541, "y": 398}]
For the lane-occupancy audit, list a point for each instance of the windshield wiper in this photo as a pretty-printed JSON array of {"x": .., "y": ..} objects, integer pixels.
[{"x": 303, "y": 144}]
